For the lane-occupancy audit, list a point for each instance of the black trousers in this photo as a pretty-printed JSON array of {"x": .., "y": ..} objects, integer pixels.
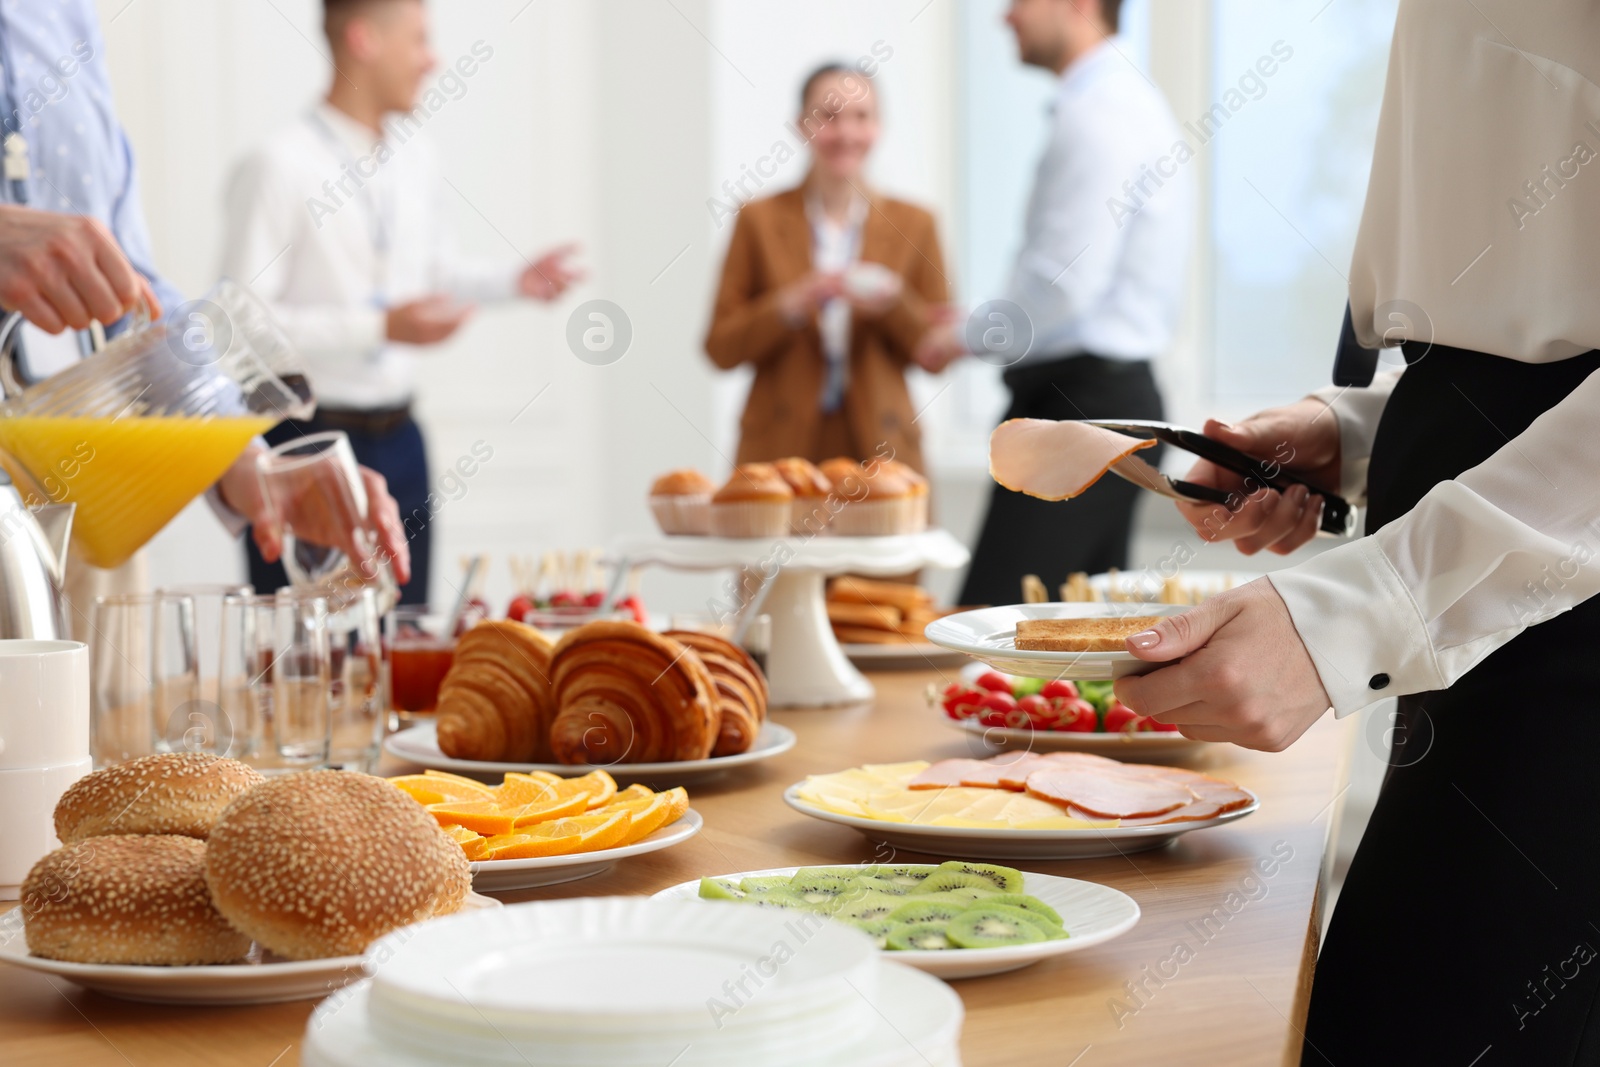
[
  {"x": 1467, "y": 927},
  {"x": 401, "y": 456},
  {"x": 1023, "y": 535}
]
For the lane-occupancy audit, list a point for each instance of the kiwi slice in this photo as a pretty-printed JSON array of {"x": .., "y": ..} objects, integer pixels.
[
  {"x": 880, "y": 930},
  {"x": 968, "y": 885},
  {"x": 908, "y": 875},
  {"x": 1003, "y": 879},
  {"x": 866, "y": 906},
  {"x": 920, "y": 910},
  {"x": 720, "y": 889},
  {"x": 994, "y": 927},
  {"x": 1026, "y": 903},
  {"x": 821, "y": 888},
  {"x": 883, "y": 885},
  {"x": 919, "y": 937},
  {"x": 780, "y": 897},
  {"x": 764, "y": 883}
]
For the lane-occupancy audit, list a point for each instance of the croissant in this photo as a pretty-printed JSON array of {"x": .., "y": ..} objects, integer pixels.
[
  {"x": 496, "y": 703},
  {"x": 741, "y": 689},
  {"x": 627, "y": 695}
]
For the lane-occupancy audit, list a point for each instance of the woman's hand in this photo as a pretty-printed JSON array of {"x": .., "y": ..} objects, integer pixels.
[
  {"x": 312, "y": 519},
  {"x": 801, "y": 298},
  {"x": 1302, "y": 438},
  {"x": 942, "y": 342},
  {"x": 1243, "y": 674},
  {"x": 878, "y": 296}
]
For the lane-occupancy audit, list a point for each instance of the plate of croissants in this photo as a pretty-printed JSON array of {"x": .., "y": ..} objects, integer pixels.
[{"x": 658, "y": 708}]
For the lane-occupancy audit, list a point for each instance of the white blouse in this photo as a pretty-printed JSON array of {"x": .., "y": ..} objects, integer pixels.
[{"x": 1481, "y": 231}]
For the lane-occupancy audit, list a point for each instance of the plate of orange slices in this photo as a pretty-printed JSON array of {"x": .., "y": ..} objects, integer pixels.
[{"x": 540, "y": 829}]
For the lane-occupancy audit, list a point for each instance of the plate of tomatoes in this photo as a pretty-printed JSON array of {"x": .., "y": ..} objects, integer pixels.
[{"x": 1053, "y": 715}]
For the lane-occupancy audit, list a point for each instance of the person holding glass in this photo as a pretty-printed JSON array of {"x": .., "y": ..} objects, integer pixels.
[
  {"x": 1465, "y": 931},
  {"x": 75, "y": 250},
  {"x": 827, "y": 291}
]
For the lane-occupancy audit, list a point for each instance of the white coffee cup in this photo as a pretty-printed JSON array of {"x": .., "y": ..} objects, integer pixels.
[
  {"x": 44, "y": 746},
  {"x": 44, "y": 703}
]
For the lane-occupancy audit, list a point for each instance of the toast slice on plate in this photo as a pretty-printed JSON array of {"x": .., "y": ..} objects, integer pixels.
[{"x": 1104, "y": 634}]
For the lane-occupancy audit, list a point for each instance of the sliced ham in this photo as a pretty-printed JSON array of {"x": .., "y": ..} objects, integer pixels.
[
  {"x": 1109, "y": 796},
  {"x": 1193, "y": 811},
  {"x": 1055, "y": 460},
  {"x": 947, "y": 773}
]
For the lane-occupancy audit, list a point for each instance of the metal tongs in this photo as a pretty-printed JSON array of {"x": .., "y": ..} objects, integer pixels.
[{"x": 1338, "y": 517}]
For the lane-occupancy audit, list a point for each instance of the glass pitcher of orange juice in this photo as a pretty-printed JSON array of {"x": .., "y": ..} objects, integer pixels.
[{"x": 134, "y": 432}]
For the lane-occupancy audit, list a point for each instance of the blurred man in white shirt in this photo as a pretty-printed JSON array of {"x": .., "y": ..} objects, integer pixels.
[
  {"x": 1099, "y": 281},
  {"x": 339, "y": 222}
]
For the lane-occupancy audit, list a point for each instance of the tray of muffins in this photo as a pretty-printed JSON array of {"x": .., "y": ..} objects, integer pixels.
[{"x": 186, "y": 878}]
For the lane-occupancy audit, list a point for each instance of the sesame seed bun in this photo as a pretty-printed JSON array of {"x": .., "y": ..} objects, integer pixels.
[
  {"x": 323, "y": 863},
  {"x": 171, "y": 793},
  {"x": 127, "y": 898}
]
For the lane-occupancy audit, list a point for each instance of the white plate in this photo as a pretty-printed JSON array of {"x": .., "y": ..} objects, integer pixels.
[
  {"x": 990, "y": 634},
  {"x": 420, "y": 744},
  {"x": 261, "y": 981},
  {"x": 1145, "y": 585},
  {"x": 829, "y": 554},
  {"x": 502, "y": 876},
  {"x": 1091, "y": 912},
  {"x": 919, "y": 656},
  {"x": 1124, "y": 746},
  {"x": 966, "y": 843},
  {"x": 920, "y": 1027}
]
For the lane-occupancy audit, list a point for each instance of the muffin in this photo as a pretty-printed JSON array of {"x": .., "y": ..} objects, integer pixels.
[
  {"x": 919, "y": 492},
  {"x": 809, "y": 513},
  {"x": 681, "y": 503},
  {"x": 755, "y": 502},
  {"x": 879, "y": 502}
]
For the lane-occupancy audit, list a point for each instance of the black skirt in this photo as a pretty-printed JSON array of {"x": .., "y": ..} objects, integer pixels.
[{"x": 1468, "y": 929}]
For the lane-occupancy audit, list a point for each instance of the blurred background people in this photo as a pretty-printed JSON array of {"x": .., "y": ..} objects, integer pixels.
[
  {"x": 1100, "y": 279},
  {"x": 337, "y": 222},
  {"x": 74, "y": 248},
  {"x": 827, "y": 290}
]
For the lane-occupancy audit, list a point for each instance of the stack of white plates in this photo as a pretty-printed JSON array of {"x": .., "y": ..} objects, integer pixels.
[{"x": 627, "y": 982}]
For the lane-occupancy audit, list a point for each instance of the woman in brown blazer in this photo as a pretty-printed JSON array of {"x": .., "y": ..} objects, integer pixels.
[{"x": 827, "y": 290}]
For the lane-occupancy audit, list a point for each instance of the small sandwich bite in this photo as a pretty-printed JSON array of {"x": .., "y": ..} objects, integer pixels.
[
  {"x": 324, "y": 863},
  {"x": 127, "y": 898},
  {"x": 170, "y": 793}
]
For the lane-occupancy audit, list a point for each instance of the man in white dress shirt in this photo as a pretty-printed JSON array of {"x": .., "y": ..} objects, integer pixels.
[
  {"x": 339, "y": 222},
  {"x": 1099, "y": 281}
]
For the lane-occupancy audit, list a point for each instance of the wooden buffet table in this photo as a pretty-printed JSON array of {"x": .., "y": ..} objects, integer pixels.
[{"x": 1217, "y": 971}]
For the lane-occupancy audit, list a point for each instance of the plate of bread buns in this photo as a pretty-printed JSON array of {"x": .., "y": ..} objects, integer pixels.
[
  {"x": 1053, "y": 640},
  {"x": 191, "y": 879}
]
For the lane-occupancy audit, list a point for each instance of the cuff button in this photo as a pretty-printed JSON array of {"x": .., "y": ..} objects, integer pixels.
[{"x": 1379, "y": 681}]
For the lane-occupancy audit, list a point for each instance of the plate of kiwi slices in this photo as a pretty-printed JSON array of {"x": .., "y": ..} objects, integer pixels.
[{"x": 952, "y": 920}]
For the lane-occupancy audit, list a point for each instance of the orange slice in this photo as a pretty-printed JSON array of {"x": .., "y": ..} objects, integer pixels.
[
  {"x": 661, "y": 810},
  {"x": 634, "y": 792},
  {"x": 545, "y": 810},
  {"x": 481, "y": 816},
  {"x": 426, "y": 789},
  {"x": 598, "y": 785},
  {"x": 560, "y": 837},
  {"x": 471, "y": 842},
  {"x": 519, "y": 789},
  {"x": 470, "y": 783}
]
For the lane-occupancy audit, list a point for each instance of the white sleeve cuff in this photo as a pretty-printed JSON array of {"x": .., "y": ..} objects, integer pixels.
[
  {"x": 1358, "y": 412},
  {"x": 231, "y": 520},
  {"x": 1360, "y": 625}
]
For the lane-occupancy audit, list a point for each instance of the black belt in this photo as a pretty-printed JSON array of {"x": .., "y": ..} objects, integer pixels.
[
  {"x": 1041, "y": 370},
  {"x": 376, "y": 422}
]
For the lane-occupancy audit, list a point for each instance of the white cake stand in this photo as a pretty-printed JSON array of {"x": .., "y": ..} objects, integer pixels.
[{"x": 806, "y": 668}]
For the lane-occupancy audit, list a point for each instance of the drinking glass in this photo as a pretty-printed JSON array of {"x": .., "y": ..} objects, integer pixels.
[
  {"x": 144, "y": 676},
  {"x": 302, "y": 680},
  {"x": 244, "y": 674},
  {"x": 208, "y": 608},
  {"x": 421, "y": 644},
  {"x": 316, "y": 479},
  {"x": 359, "y": 717}
]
